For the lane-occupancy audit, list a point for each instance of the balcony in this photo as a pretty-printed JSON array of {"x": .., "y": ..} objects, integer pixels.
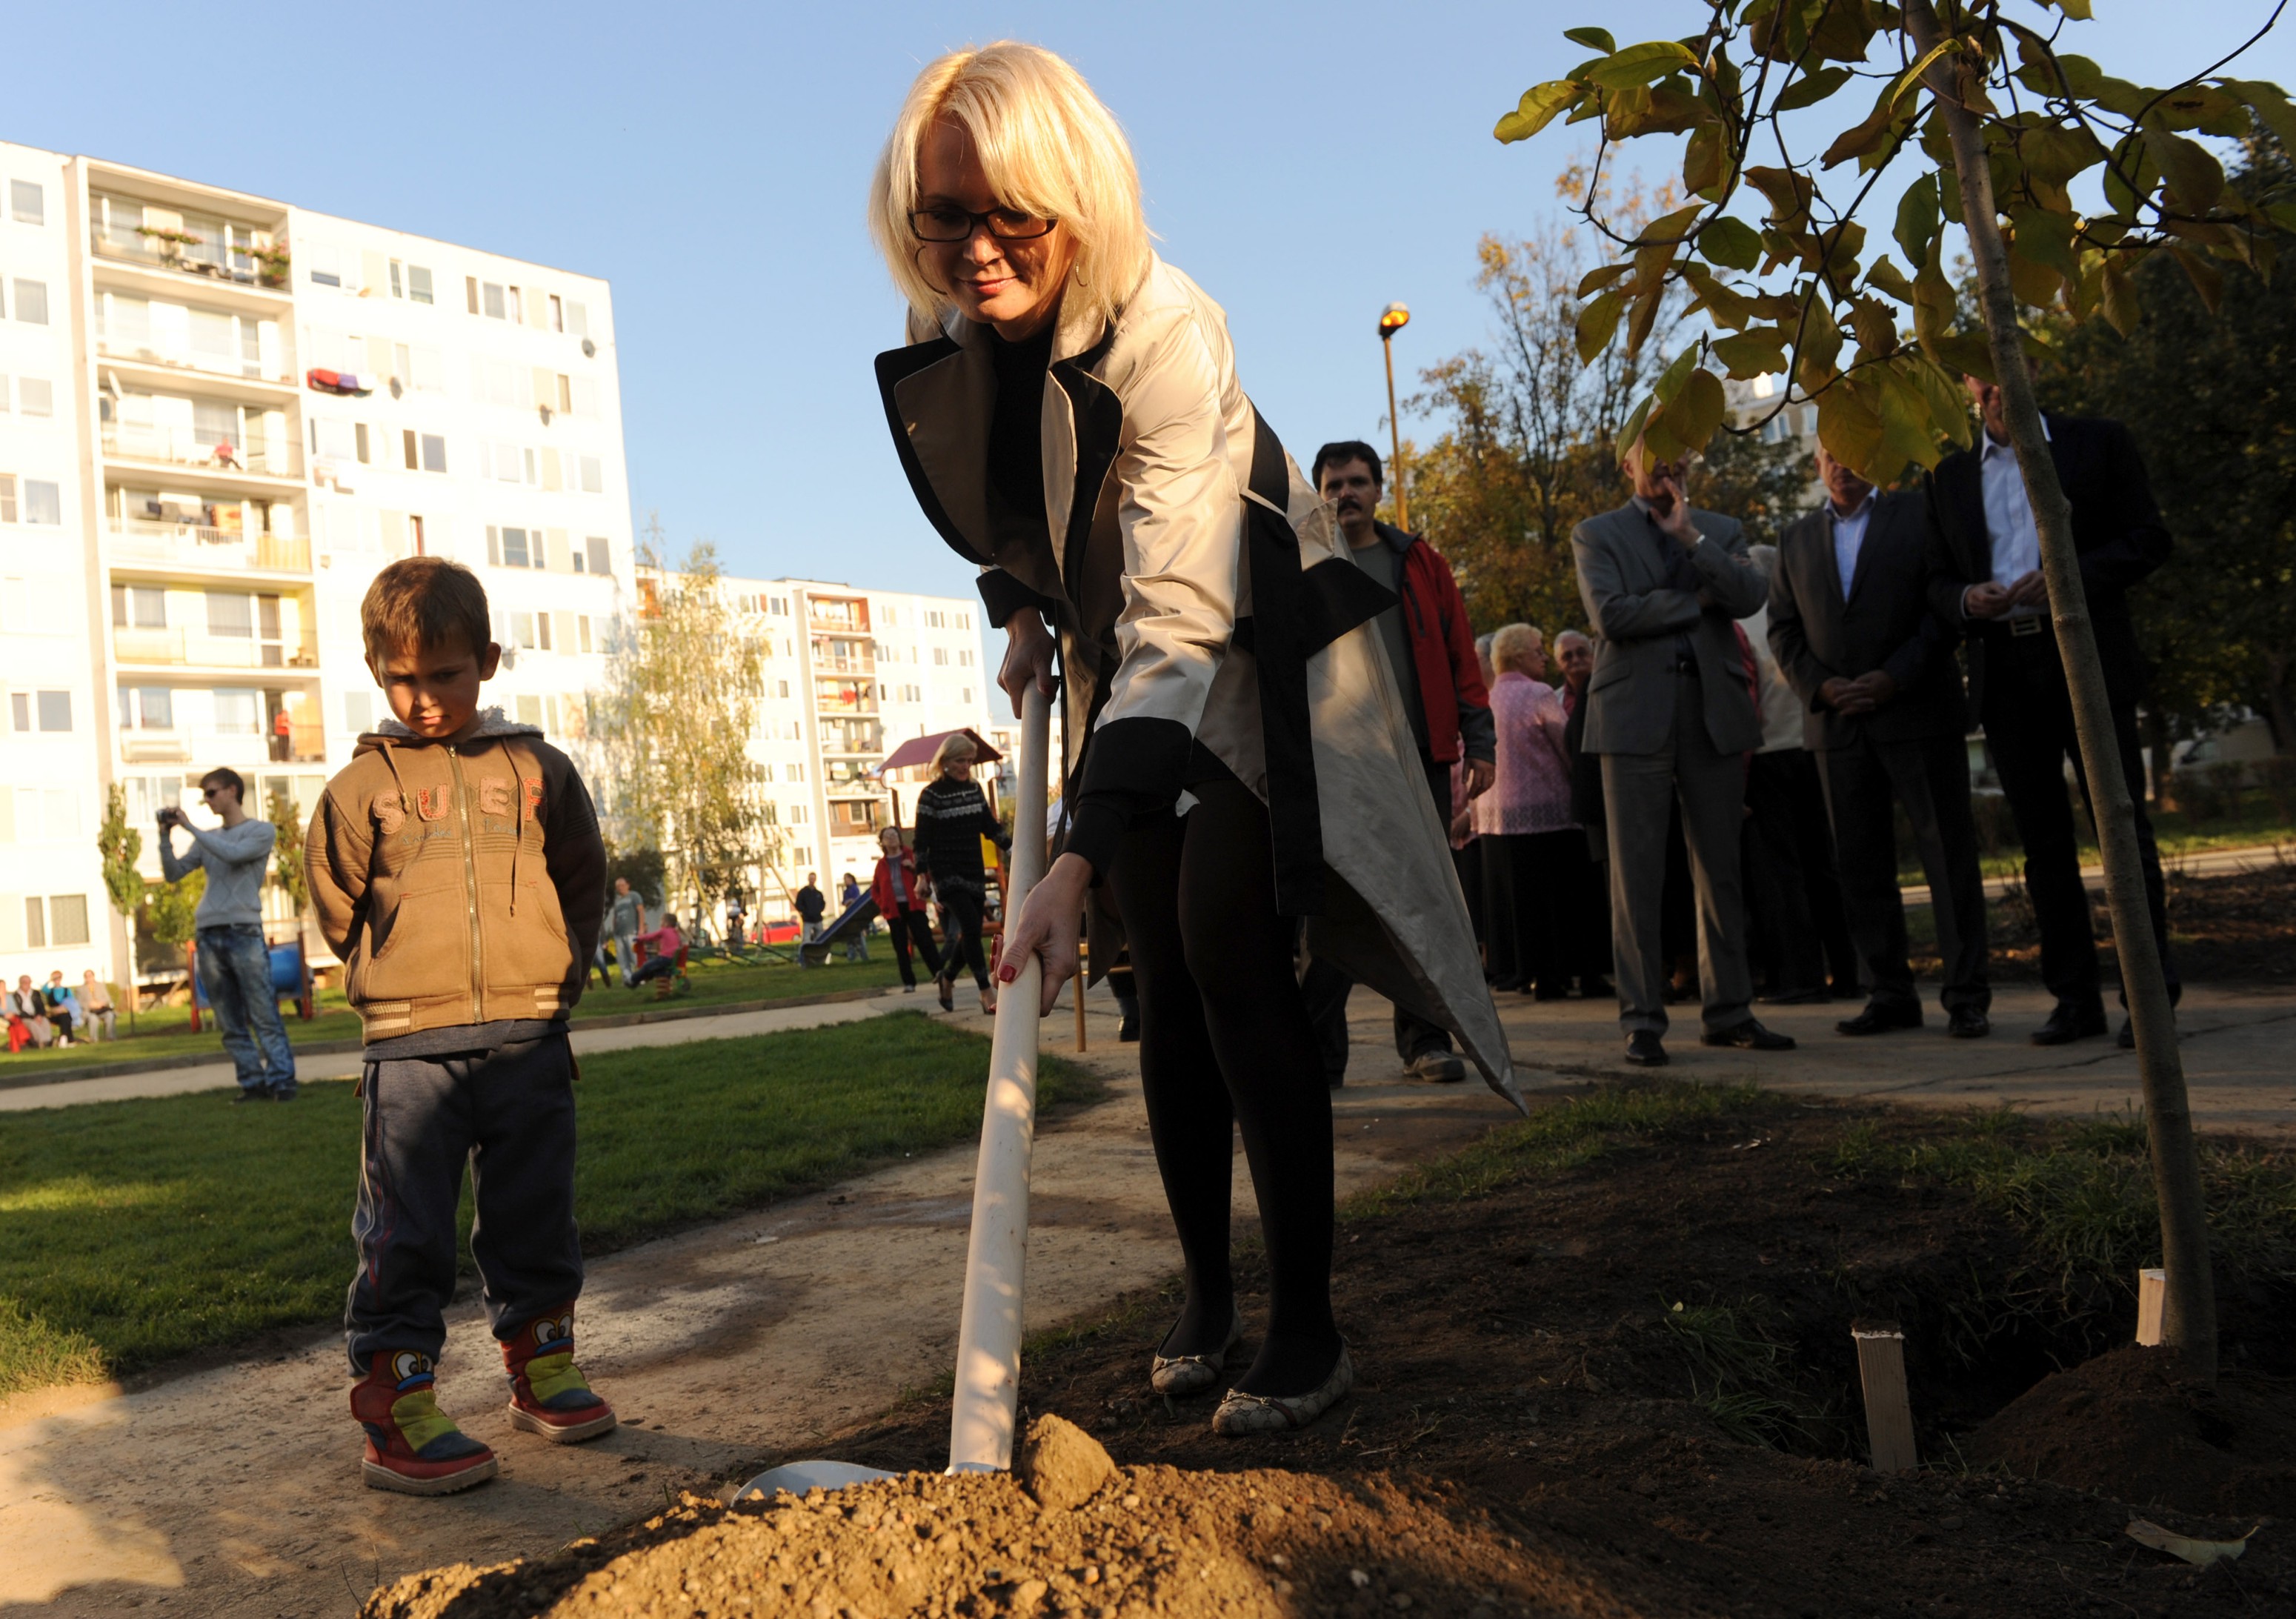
[
  {"x": 194, "y": 649},
  {"x": 164, "y": 545},
  {"x": 183, "y": 447},
  {"x": 835, "y": 613},
  {"x": 219, "y": 366},
  {"x": 838, "y": 698},
  {"x": 194, "y": 253}
]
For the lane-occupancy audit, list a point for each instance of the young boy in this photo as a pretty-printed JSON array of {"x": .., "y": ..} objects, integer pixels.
[{"x": 456, "y": 867}]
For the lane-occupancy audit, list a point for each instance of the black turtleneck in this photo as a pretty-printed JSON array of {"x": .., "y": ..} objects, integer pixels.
[{"x": 1016, "y": 464}]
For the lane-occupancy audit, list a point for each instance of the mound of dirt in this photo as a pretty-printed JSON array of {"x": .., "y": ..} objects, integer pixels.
[
  {"x": 1255, "y": 1545},
  {"x": 2131, "y": 1425}
]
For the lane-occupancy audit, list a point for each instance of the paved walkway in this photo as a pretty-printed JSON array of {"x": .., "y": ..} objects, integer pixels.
[{"x": 2205, "y": 863}]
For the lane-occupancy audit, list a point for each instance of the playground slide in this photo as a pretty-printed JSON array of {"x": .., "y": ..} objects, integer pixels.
[{"x": 853, "y": 920}]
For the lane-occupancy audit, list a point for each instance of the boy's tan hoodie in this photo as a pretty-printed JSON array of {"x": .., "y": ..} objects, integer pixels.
[{"x": 458, "y": 884}]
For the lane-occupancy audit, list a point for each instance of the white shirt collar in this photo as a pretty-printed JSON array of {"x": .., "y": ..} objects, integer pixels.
[
  {"x": 1991, "y": 448},
  {"x": 1865, "y": 508}
]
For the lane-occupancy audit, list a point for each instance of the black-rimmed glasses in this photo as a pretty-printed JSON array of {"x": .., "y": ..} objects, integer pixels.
[{"x": 957, "y": 225}]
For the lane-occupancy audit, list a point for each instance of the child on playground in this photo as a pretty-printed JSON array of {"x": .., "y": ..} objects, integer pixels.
[{"x": 455, "y": 865}]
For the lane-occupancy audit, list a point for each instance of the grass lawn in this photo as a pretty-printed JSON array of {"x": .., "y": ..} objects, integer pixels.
[
  {"x": 165, "y": 1032},
  {"x": 134, "y": 1231}
]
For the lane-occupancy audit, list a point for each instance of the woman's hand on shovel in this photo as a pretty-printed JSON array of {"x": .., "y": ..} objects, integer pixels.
[{"x": 1048, "y": 927}]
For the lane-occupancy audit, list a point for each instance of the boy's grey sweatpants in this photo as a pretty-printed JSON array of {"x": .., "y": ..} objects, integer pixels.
[{"x": 509, "y": 1112}]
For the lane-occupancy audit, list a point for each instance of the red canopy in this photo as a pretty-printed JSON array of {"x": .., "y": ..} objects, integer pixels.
[{"x": 920, "y": 750}]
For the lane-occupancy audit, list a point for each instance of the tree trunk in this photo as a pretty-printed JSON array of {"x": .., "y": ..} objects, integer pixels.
[
  {"x": 2279, "y": 719},
  {"x": 2189, "y": 1319}
]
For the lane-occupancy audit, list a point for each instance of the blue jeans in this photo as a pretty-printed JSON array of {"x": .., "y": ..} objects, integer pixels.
[{"x": 235, "y": 967}]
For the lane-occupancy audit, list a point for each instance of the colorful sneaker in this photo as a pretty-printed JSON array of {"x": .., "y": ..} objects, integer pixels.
[
  {"x": 548, "y": 1394},
  {"x": 412, "y": 1446}
]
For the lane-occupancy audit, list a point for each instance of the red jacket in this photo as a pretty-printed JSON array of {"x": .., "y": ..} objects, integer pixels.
[
  {"x": 1442, "y": 644},
  {"x": 880, "y": 886}
]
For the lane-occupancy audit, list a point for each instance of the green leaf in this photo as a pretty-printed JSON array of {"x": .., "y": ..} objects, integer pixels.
[
  {"x": 2078, "y": 10},
  {"x": 2045, "y": 237},
  {"x": 1811, "y": 88},
  {"x": 1633, "y": 430},
  {"x": 1601, "y": 275},
  {"x": 1670, "y": 381},
  {"x": 2193, "y": 173},
  {"x": 1540, "y": 105},
  {"x": 1963, "y": 353},
  {"x": 1933, "y": 300},
  {"x": 1917, "y": 219},
  {"x": 1949, "y": 402},
  {"x": 2207, "y": 280},
  {"x": 1705, "y": 160},
  {"x": 1891, "y": 280},
  {"x": 1598, "y": 322},
  {"x": 1787, "y": 193},
  {"x": 1644, "y": 316},
  {"x": 1731, "y": 243},
  {"x": 1761, "y": 352},
  {"x": 1697, "y": 410},
  {"x": 1850, "y": 428},
  {"x": 2131, "y": 175},
  {"x": 2269, "y": 102},
  {"x": 1908, "y": 432},
  {"x": 2118, "y": 296},
  {"x": 1640, "y": 64},
  {"x": 1876, "y": 324},
  {"x": 1594, "y": 40}
]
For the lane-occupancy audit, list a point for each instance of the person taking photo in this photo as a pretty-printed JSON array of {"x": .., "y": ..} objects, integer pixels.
[{"x": 232, "y": 961}]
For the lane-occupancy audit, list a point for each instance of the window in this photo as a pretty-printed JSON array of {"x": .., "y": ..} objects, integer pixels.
[
  {"x": 940, "y": 655},
  {"x": 36, "y": 396},
  {"x": 783, "y": 688},
  {"x": 516, "y": 312},
  {"x": 231, "y": 613},
  {"x": 581, "y": 396},
  {"x": 236, "y": 714},
  {"x": 557, "y": 314},
  {"x": 54, "y": 709},
  {"x": 398, "y": 287},
  {"x": 964, "y": 659},
  {"x": 36, "y": 923},
  {"x": 334, "y": 439},
  {"x": 418, "y": 284},
  {"x": 542, "y": 619},
  {"x": 594, "y": 550},
  {"x": 42, "y": 502},
  {"x": 965, "y": 695},
  {"x": 7, "y": 497},
  {"x": 470, "y": 286},
  {"x": 3, "y": 393},
  {"x": 27, "y": 202},
  {"x": 594, "y": 476},
  {"x": 582, "y": 627},
  {"x": 529, "y": 711},
  {"x": 147, "y": 707},
  {"x": 358, "y": 713},
  {"x": 964, "y": 621},
  {"x": 522, "y": 626},
  {"x": 67, "y": 918},
  {"x": 491, "y": 300},
  {"x": 507, "y": 547},
  {"x": 425, "y": 368},
  {"x": 406, "y": 443},
  {"x": 510, "y": 465},
  {"x": 934, "y": 618},
  {"x": 359, "y": 436},
  {"x": 799, "y": 814},
  {"x": 327, "y": 269},
  {"x": 139, "y": 607},
  {"x": 434, "y": 453},
  {"x": 32, "y": 302},
  {"x": 577, "y": 321},
  {"x": 797, "y": 772}
]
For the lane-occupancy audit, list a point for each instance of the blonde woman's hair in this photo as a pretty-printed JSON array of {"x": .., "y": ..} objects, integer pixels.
[
  {"x": 1511, "y": 645},
  {"x": 1049, "y": 147},
  {"x": 954, "y": 747}
]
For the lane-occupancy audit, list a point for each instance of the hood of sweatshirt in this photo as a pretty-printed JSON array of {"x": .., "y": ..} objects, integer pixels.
[{"x": 492, "y": 722}]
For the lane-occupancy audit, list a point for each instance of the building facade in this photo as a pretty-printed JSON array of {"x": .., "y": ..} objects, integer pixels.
[{"x": 223, "y": 415}]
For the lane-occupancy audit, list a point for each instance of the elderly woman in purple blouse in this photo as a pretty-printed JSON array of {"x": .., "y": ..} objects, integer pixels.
[{"x": 1524, "y": 822}]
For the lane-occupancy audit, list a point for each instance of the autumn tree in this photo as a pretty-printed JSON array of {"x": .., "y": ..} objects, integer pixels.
[
  {"x": 671, "y": 729},
  {"x": 1993, "y": 123},
  {"x": 121, "y": 846}
]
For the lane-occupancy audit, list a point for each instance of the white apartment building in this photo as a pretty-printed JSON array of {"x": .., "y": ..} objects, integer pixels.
[
  {"x": 849, "y": 675},
  {"x": 222, "y": 415}
]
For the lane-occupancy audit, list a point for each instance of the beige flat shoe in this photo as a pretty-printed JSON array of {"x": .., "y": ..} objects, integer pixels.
[
  {"x": 1242, "y": 1415},
  {"x": 1194, "y": 1374}
]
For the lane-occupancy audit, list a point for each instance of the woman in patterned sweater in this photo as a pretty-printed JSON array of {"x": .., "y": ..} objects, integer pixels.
[{"x": 952, "y": 818}]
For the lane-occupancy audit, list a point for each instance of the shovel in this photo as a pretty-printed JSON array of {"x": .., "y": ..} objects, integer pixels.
[{"x": 988, "y": 1334}]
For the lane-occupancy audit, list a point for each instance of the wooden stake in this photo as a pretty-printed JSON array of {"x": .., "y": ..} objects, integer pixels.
[
  {"x": 2152, "y": 1295},
  {"x": 1076, "y": 986},
  {"x": 1889, "y": 1415}
]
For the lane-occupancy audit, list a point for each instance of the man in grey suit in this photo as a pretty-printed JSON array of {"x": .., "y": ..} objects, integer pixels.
[{"x": 1671, "y": 715}]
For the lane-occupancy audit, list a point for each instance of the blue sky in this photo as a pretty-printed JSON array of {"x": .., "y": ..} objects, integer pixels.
[{"x": 1307, "y": 163}]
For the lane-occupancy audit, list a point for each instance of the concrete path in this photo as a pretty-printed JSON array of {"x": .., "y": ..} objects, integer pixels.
[
  {"x": 221, "y": 1076},
  {"x": 2205, "y": 863},
  {"x": 2235, "y": 1044}
]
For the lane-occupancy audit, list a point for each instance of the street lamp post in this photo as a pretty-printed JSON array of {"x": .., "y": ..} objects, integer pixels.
[{"x": 1392, "y": 320}]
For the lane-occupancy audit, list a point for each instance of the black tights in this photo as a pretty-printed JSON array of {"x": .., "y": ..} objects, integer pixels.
[
  {"x": 1225, "y": 1042},
  {"x": 960, "y": 919}
]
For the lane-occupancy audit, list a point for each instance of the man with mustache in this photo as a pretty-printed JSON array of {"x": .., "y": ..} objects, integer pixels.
[{"x": 1431, "y": 649}]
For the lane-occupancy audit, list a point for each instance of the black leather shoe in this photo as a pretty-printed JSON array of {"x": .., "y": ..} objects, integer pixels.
[
  {"x": 1748, "y": 1036},
  {"x": 1967, "y": 1024},
  {"x": 251, "y": 1093},
  {"x": 2069, "y": 1023},
  {"x": 1643, "y": 1049},
  {"x": 1881, "y": 1018}
]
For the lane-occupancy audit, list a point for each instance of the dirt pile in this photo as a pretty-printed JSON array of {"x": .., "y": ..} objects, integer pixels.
[
  {"x": 2129, "y": 1424},
  {"x": 1255, "y": 1545}
]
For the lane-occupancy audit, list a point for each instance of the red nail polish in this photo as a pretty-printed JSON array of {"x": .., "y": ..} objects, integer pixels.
[{"x": 1006, "y": 974}]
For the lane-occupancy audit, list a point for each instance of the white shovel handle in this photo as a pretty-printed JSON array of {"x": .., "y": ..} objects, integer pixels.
[{"x": 989, "y": 1335}]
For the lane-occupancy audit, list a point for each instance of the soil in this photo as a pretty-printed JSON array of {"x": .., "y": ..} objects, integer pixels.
[
  {"x": 1623, "y": 1386},
  {"x": 2229, "y": 929},
  {"x": 2130, "y": 1421}
]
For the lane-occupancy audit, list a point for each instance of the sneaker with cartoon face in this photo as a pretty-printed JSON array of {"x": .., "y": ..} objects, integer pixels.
[
  {"x": 412, "y": 1446},
  {"x": 548, "y": 1394}
]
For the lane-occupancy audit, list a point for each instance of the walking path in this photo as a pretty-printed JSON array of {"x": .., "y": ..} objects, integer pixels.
[
  {"x": 2203, "y": 863},
  {"x": 235, "y": 1490}
]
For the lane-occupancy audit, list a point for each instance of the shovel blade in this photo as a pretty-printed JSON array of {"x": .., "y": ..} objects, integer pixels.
[{"x": 797, "y": 1477}]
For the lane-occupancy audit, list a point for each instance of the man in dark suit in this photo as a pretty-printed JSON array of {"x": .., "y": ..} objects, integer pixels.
[
  {"x": 1851, "y": 626},
  {"x": 1669, "y": 712},
  {"x": 1985, "y": 582}
]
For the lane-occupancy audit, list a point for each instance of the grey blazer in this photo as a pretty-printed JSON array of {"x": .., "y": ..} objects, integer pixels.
[{"x": 1636, "y": 616}]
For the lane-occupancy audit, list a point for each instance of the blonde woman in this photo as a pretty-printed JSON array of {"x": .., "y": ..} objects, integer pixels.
[
  {"x": 1069, "y": 415},
  {"x": 953, "y": 817}
]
